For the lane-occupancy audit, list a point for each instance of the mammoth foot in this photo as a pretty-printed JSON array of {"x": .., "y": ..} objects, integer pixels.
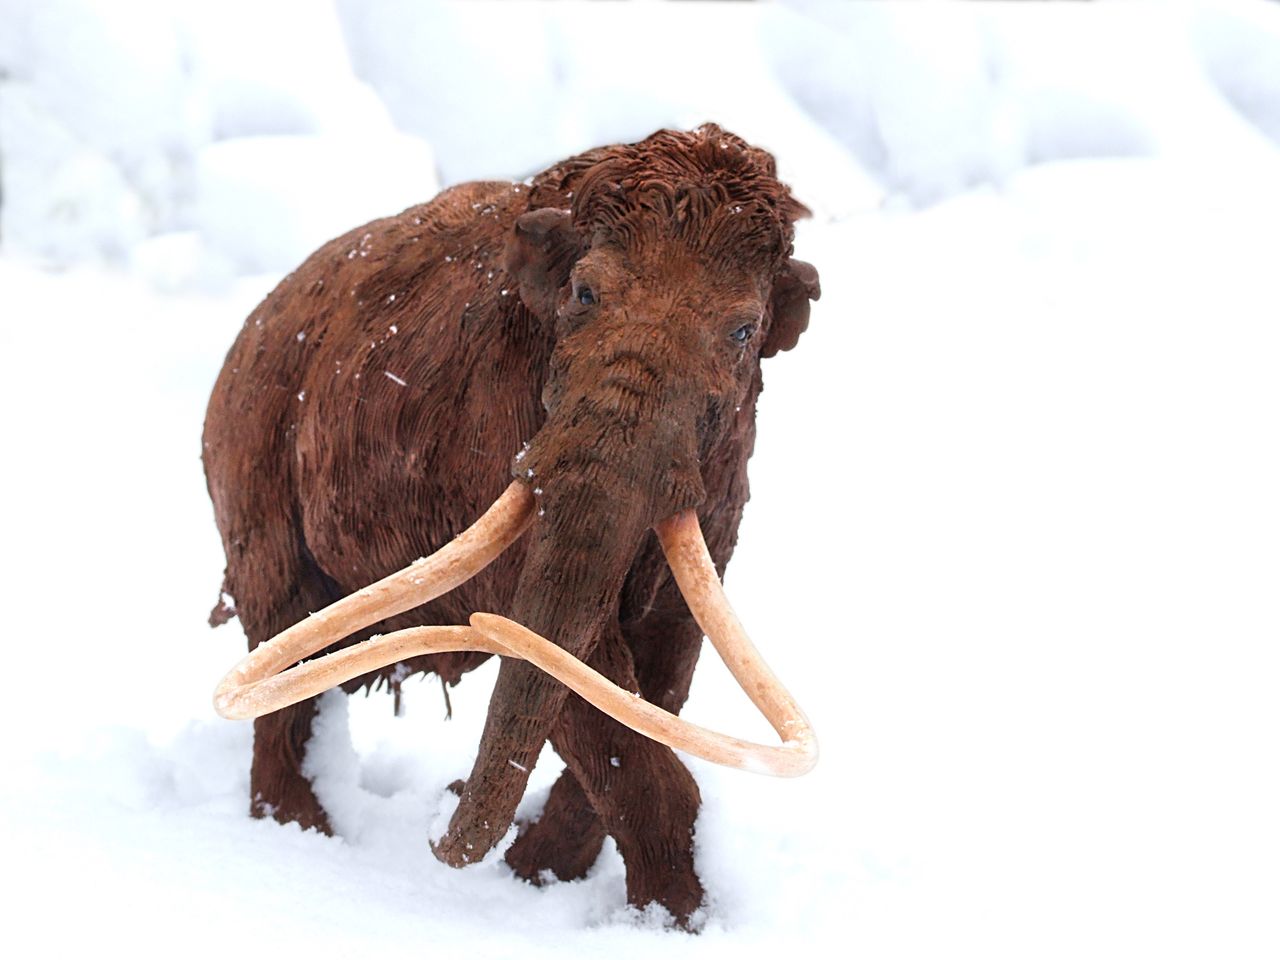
[
  {"x": 537, "y": 853},
  {"x": 277, "y": 786},
  {"x": 297, "y": 804},
  {"x": 668, "y": 880},
  {"x": 565, "y": 840}
]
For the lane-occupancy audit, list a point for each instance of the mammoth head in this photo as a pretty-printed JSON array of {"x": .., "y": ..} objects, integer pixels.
[
  {"x": 664, "y": 271},
  {"x": 545, "y": 245}
]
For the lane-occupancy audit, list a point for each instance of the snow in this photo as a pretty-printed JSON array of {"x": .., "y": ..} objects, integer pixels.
[
  {"x": 1238, "y": 43},
  {"x": 257, "y": 194},
  {"x": 1013, "y": 534},
  {"x": 935, "y": 99},
  {"x": 145, "y": 119}
]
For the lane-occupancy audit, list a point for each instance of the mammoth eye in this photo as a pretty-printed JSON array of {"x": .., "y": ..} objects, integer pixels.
[
  {"x": 743, "y": 333},
  {"x": 585, "y": 296}
]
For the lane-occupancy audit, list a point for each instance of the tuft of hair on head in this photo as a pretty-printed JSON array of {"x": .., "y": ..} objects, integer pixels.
[{"x": 707, "y": 186}]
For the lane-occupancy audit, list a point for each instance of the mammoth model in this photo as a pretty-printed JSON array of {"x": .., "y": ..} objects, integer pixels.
[{"x": 595, "y": 334}]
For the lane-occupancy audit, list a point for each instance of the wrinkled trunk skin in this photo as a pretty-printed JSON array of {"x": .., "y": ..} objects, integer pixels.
[
  {"x": 568, "y": 592},
  {"x": 609, "y": 463}
]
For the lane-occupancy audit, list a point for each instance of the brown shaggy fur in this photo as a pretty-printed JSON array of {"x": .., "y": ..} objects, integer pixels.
[{"x": 596, "y": 334}]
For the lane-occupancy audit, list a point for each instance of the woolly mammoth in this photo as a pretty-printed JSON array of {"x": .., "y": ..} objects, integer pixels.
[{"x": 547, "y": 391}]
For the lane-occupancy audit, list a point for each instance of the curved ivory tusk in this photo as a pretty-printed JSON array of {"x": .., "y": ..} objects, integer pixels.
[
  {"x": 686, "y": 552},
  {"x": 695, "y": 573},
  {"x": 796, "y": 756},
  {"x": 257, "y": 685}
]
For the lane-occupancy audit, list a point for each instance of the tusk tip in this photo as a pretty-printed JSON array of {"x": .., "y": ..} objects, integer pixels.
[
  {"x": 228, "y": 706},
  {"x": 808, "y": 750}
]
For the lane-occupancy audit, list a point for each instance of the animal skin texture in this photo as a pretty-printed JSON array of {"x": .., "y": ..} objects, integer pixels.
[{"x": 596, "y": 333}]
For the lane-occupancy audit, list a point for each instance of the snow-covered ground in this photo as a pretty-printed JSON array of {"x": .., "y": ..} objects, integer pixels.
[{"x": 1014, "y": 539}]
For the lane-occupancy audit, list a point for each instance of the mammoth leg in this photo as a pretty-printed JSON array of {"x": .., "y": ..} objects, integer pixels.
[
  {"x": 644, "y": 796},
  {"x": 665, "y": 645},
  {"x": 277, "y": 786},
  {"x": 525, "y": 700},
  {"x": 566, "y": 838},
  {"x": 568, "y": 591}
]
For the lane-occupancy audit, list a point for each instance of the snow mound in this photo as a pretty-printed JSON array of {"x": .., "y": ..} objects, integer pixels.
[
  {"x": 936, "y": 99},
  {"x": 1239, "y": 44},
  {"x": 241, "y": 123}
]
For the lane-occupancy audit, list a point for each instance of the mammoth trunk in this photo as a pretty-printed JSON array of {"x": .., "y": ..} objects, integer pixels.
[{"x": 596, "y": 503}]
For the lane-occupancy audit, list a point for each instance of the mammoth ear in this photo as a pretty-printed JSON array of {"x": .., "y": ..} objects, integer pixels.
[
  {"x": 793, "y": 288},
  {"x": 541, "y": 251}
]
